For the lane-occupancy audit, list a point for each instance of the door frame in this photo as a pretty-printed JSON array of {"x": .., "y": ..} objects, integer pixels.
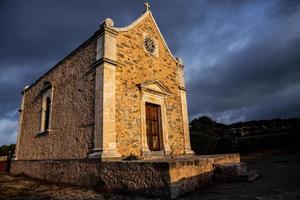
[{"x": 158, "y": 99}]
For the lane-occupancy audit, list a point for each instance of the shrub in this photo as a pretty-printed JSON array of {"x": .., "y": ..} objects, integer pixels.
[{"x": 203, "y": 143}]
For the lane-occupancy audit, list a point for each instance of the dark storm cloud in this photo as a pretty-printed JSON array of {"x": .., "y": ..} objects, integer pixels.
[
  {"x": 37, "y": 34},
  {"x": 255, "y": 75},
  {"x": 241, "y": 57}
]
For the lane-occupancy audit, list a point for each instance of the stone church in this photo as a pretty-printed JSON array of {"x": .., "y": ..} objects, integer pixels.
[{"x": 120, "y": 93}]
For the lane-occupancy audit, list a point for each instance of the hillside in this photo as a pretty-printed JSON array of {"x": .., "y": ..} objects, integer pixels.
[
  {"x": 208, "y": 136},
  {"x": 261, "y": 127}
]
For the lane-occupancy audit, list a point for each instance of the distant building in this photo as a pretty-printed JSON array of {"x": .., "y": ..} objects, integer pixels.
[{"x": 121, "y": 92}]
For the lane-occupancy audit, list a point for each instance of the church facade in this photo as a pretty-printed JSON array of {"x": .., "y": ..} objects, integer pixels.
[{"x": 120, "y": 93}]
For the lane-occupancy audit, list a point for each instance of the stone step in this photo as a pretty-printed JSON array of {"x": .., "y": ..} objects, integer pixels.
[
  {"x": 230, "y": 169},
  {"x": 249, "y": 176},
  {"x": 234, "y": 172}
]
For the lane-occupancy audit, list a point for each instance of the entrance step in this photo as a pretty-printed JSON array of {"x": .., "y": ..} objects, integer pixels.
[
  {"x": 233, "y": 172},
  {"x": 249, "y": 176},
  {"x": 150, "y": 155}
]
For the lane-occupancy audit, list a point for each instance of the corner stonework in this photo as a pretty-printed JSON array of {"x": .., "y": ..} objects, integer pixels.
[
  {"x": 185, "y": 121},
  {"x": 21, "y": 113},
  {"x": 105, "y": 145}
]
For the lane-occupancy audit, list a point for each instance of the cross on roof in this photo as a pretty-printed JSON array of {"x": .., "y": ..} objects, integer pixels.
[{"x": 147, "y": 6}]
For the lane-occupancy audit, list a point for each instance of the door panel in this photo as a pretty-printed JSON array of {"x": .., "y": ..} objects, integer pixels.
[{"x": 153, "y": 126}]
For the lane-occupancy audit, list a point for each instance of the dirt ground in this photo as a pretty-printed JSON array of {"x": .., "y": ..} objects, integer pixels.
[{"x": 280, "y": 179}]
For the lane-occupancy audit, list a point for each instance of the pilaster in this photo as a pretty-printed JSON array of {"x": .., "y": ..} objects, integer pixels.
[
  {"x": 105, "y": 145},
  {"x": 21, "y": 113},
  {"x": 185, "y": 120}
]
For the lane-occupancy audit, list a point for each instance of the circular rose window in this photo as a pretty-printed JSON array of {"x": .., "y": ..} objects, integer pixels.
[{"x": 149, "y": 45}]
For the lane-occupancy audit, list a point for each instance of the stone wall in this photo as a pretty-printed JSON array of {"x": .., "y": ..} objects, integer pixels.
[
  {"x": 72, "y": 115},
  {"x": 136, "y": 66},
  {"x": 126, "y": 176},
  {"x": 3, "y": 165},
  {"x": 187, "y": 174},
  {"x": 73, "y": 104},
  {"x": 169, "y": 177}
]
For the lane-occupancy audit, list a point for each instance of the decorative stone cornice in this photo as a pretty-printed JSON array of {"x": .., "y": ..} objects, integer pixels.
[
  {"x": 108, "y": 22},
  {"x": 180, "y": 62},
  {"x": 180, "y": 66},
  {"x": 154, "y": 86},
  {"x": 25, "y": 89},
  {"x": 104, "y": 60},
  {"x": 182, "y": 88},
  {"x": 104, "y": 28}
]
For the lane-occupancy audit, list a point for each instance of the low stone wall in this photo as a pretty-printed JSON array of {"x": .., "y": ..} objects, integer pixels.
[
  {"x": 3, "y": 166},
  {"x": 82, "y": 172},
  {"x": 3, "y": 163},
  {"x": 124, "y": 176},
  {"x": 168, "y": 177},
  {"x": 191, "y": 173}
]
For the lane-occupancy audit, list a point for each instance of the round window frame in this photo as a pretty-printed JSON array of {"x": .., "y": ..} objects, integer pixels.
[{"x": 148, "y": 40}]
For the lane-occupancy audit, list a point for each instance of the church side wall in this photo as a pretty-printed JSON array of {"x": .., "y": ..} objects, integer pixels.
[
  {"x": 72, "y": 115},
  {"x": 136, "y": 66}
]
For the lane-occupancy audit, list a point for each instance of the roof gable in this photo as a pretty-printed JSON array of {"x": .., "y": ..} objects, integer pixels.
[{"x": 139, "y": 20}]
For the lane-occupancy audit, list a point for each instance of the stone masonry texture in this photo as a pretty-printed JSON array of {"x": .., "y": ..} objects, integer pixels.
[
  {"x": 73, "y": 83},
  {"x": 160, "y": 178},
  {"x": 72, "y": 116},
  {"x": 62, "y": 154},
  {"x": 135, "y": 66}
]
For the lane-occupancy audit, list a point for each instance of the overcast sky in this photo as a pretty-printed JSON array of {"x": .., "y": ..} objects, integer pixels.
[{"x": 242, "y": 58}]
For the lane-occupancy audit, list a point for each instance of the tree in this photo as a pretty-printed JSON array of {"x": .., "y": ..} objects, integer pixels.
[
  {"x": 4, "y": 149},
  {"x": 208, "y": 136}
]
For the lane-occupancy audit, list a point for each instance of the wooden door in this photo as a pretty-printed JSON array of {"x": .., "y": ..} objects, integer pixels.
[{"x": 153, "y": 126}]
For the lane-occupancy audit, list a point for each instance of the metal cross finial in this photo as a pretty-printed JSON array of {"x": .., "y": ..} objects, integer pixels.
[{"x": 147, "y": 6}]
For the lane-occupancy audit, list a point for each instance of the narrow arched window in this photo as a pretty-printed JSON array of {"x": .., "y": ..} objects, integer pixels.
[
  {"x": 46, "y": 107},
  {"x": 47, "y": 113}
]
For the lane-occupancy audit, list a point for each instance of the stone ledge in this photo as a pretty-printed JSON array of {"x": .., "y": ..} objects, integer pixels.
[
  {"x": 169, "y": 177},
  {"x": 41, "y": 133}
]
